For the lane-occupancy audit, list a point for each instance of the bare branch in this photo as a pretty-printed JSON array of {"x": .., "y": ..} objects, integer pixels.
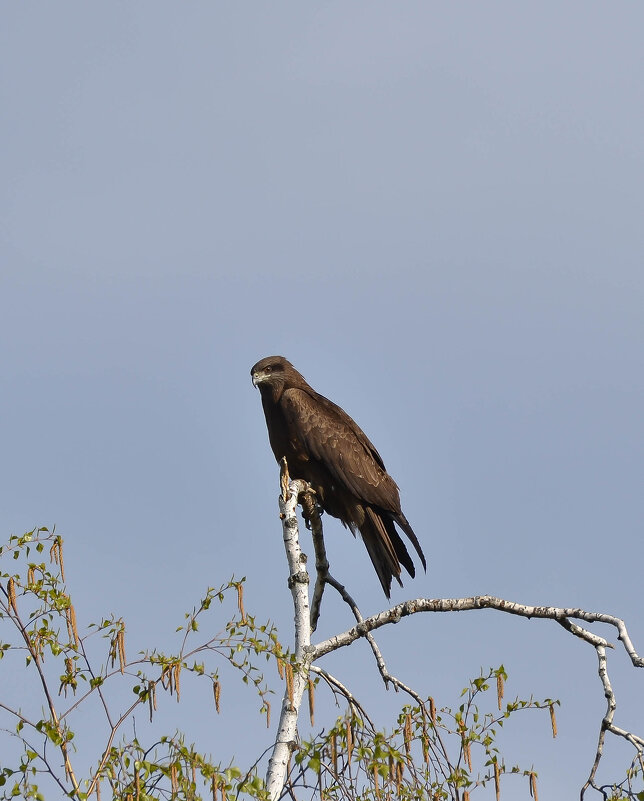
[
  {"x": 560, "y": 615},
  {"x": 607, "y": 722},
  {"x": 312, "y": 514}
]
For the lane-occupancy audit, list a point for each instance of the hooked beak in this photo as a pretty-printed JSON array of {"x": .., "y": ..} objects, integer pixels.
[{"x": 258, "y": 377}]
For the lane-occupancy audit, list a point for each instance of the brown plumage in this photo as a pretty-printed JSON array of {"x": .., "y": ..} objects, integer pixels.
[{"x": 325, "y": 447}]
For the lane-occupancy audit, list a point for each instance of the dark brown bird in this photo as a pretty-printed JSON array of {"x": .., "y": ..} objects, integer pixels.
[{"x": 325, "y": 447}]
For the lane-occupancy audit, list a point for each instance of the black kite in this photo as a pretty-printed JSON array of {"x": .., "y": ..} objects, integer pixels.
[{"x": 325, "y": 447}]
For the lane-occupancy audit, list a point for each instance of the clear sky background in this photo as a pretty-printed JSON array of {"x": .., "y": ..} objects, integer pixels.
[{"x": 435, "y": 211}]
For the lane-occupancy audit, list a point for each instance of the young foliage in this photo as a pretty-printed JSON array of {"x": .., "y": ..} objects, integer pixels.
[
  {"x": 428, "y": 754},
  {"x": 39, "y": 621}
]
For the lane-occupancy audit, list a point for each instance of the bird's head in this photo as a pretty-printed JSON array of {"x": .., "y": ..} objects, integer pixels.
[{"x": 272, "y": 374}]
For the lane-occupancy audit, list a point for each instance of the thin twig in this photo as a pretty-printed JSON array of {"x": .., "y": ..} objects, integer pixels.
[
  {"x": 336, "y": 685},
  {"x": 13, "y": 615}
]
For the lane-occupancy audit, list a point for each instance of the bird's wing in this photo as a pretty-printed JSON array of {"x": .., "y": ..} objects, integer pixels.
[{"x": 329, "y": 435}]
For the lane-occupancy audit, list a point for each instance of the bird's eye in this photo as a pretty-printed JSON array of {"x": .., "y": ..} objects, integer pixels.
[{"x": 268, "y": 369}]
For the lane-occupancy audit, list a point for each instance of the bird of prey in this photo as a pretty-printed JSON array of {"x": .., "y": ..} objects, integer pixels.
[{"x": 326, "y": 448}]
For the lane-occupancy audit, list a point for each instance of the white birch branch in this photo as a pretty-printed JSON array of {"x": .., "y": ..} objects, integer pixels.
[
  {"x": 561, "y": 615},
  {"x": 298, "y": 582}
]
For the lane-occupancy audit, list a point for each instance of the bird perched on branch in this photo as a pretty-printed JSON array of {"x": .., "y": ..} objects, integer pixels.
[{"x": 326, "y": 448}]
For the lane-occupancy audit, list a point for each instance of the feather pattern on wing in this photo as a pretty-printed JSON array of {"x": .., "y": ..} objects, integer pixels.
[{"x": 336, "y": 440}]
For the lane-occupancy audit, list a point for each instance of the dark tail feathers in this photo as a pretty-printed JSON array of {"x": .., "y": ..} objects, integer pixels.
[{"x": 385, "y": 547}]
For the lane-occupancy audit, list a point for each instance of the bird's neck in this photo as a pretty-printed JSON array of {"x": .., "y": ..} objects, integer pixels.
[{"x": 271, "y": 393}]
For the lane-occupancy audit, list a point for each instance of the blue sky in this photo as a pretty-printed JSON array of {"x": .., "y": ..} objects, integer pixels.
[{"x": 435, "y": 212}]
